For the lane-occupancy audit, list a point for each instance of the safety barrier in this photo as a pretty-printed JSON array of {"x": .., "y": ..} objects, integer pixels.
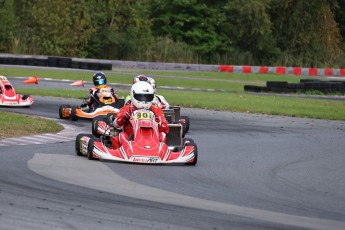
[
  {"x": 61, "y": 62},
  {"x": 328, "y": 72},
  {"x": 98, "y": 64},
  {"x": 305, "y": 85}
]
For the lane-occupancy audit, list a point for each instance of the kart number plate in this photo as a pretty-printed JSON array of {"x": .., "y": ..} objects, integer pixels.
[
  {"x": 107, "y": 100},
  {"x": 142, "y": 116}
]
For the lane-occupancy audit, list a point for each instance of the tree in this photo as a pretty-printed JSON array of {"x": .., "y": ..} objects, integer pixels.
[
  {"x": 340, "y": 19},
  {"x": 55, "y": 27},
  {"x": 122, "y": 29},
  {"x": 192, "y": 22},
  {"x": 7, "y": 25},
  {"x": 249, "y": 29},
  {"x": 306, "y": 32}
]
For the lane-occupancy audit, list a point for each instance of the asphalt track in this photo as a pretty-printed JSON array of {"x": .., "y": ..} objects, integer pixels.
[{"x": 254, "y": 172}]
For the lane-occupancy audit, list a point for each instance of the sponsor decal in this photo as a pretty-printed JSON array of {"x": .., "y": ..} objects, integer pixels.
[{"x": 145, "y": 159}]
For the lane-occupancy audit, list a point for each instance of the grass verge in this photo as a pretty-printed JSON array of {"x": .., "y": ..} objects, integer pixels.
[{"x": 13, "y": 125}]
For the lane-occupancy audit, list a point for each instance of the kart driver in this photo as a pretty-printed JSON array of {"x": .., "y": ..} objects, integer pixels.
[
  {"x": 100, "y": 81},
  {"x": 158, "y": 100},
  {"x": 142, "y": 95}
]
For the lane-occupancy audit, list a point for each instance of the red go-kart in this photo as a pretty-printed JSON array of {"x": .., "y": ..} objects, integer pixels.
[
  {"x": 9, "y": 97},
  {"x": 146, "y": 146}
]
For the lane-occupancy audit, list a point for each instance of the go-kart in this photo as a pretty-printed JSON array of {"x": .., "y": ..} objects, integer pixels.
[
  {"x": 146, "y": 146},
  {"x": 105, "y": 104},
  {"x": 173, "y": 115},
  {"x": 9, "y": 97}
]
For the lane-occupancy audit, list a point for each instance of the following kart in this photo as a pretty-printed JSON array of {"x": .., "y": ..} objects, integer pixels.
[
  {"x": 107, "y": 103},
  {"x": 9, "y": 97},
  {"x": 146, "y": 146},
  {"x": 173, "y": 115}
]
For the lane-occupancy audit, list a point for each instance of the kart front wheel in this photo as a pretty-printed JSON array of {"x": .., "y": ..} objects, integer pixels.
[
  {"x": 188, "y": 140},
  {"x": 195, "y": 160},
  {"x": 64, "y": 111},
  {"x": 78, "y": 143},
  {"x": 90, "y": 148}
]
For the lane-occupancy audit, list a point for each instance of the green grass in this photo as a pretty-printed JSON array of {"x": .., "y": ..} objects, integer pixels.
[
  {"x": 203, "y": 80},
  {"x": 237, "y": 102},
  {"x": 13, "y": 125}
]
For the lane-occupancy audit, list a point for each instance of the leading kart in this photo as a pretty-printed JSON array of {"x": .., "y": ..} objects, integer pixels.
[
  {"x": 146, "y": 146},
  {"x": 106, "y": 103},
  {"x": 9, "y": 97}
]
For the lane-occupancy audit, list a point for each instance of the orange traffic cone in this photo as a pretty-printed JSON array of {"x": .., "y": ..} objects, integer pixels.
[
  {"x": 31, "y": 80},
  {"x": 78, "y": 83}
]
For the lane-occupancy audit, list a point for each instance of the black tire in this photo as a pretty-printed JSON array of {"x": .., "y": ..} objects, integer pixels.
[
  {"x": 90, "y": 148},
  {"x": 195, "y": 152},
  {"x": 276, "y": 84},
  {"x": 74, "y": 116},
  {"x": 188, "y": 140},
  {"x": 94, "y": 124},
  {"x": 252, "y": 88},
  {"x": 110, "y": 118},
  {"x": 75, "y": 64},
  {"x": 183, "y": 129},
  {"x": 84, "y": 65},
  {"x": 186, "y": 118},
  {"x": 77, "y": 142},
  {"x": 52, "y": 62},
  {"x": 25, "y": 96},
  {"x": 61, "y": 108}
]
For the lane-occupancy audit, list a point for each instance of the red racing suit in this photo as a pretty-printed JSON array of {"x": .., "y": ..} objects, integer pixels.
[{"x": 122, "y": 119}]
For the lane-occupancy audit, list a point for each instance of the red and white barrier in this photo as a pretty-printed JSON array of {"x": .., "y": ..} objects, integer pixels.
[{"x": 327, "y": 72}]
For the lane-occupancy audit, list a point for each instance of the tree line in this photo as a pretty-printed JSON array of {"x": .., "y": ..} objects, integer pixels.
[{"x": 239, "y": 32}]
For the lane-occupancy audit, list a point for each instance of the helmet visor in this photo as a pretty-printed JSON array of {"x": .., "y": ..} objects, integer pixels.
[
  {"x": 144, "y": 97},
  {"x": 100, "y": 82},
  {"x": 143, "y": 78}
]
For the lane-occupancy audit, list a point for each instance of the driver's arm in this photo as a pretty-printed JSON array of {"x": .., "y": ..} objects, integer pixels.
[
  {"x": 163, "y": 123},
  {"x": 122, "y": 117}
]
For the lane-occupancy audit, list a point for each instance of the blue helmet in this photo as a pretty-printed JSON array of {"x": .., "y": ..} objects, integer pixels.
[{"x": 99, "y": 80}]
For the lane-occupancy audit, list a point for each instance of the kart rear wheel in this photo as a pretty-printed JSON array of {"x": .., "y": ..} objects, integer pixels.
[
  {"x": 62, "y": 114},
  {"x": 186, "y": 118},
  {"x": 78, "y": 143},
  {"x": 195, "y": 153},
  {"x": 183, "y": 129},
  {"x": 90, "y": 148},
  {"x": 74, "y": 116}
]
